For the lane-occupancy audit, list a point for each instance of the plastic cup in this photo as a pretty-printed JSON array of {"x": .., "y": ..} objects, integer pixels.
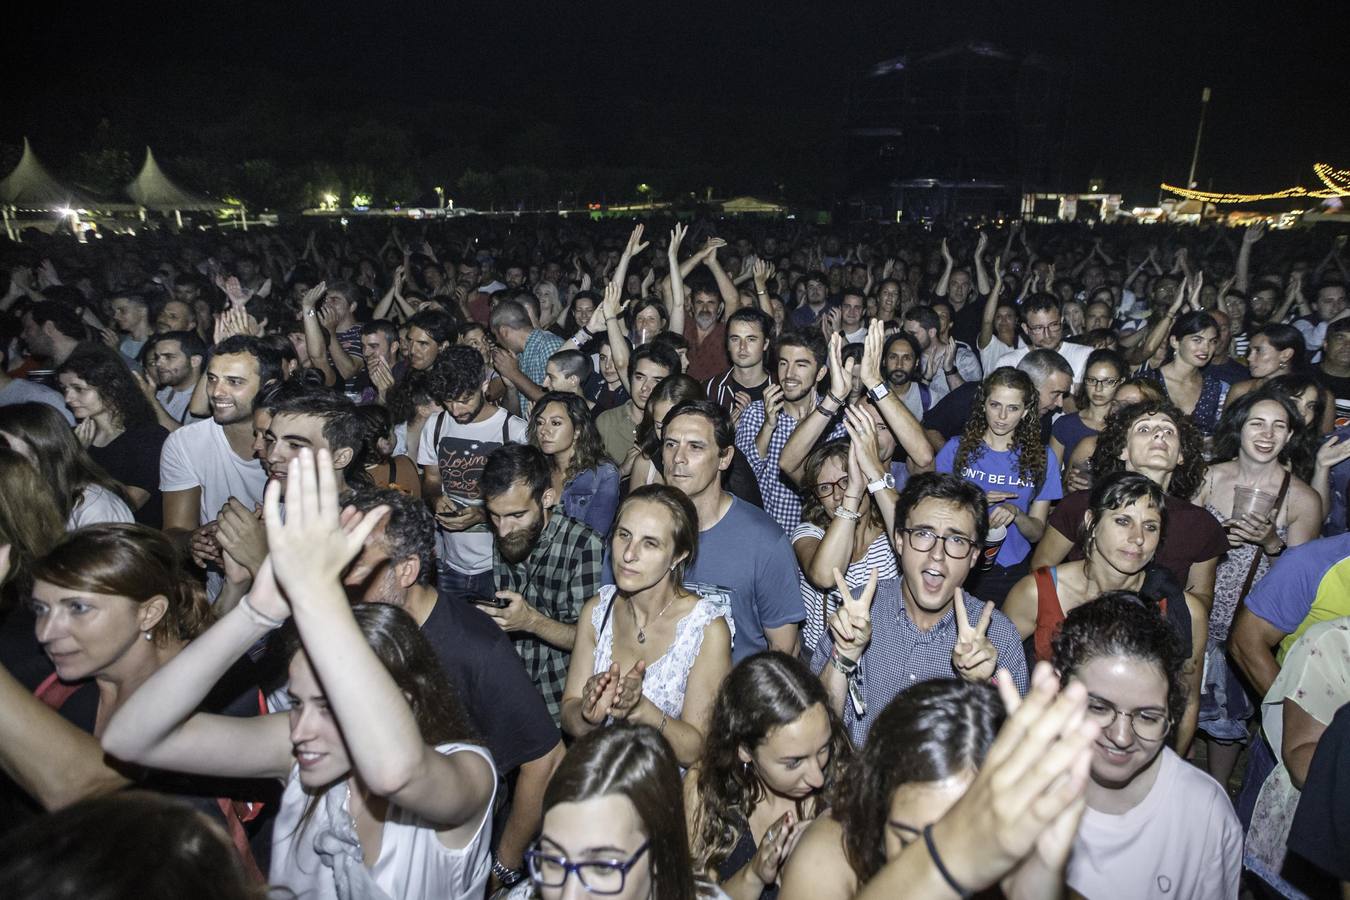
[
  {"x": 1251, "y": 500},
  {"x": 993, "y": 542}
]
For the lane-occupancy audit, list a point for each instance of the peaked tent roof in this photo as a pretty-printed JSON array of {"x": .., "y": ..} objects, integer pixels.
[
  {"x": 154, "y": 190},
  {"x": 31, "y": 186}
]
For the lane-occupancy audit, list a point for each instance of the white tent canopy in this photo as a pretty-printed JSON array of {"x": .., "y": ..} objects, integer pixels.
[
  {"x": 31, "y": 187},
  {"x": 152, "y": 189}
]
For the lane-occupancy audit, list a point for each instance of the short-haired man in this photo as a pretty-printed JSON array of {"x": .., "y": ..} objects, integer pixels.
[
  {"x": 1049, "y": 372},
  {"x": 532, "y": 346},
  {"x": 568, "y": 372},
  {"x": 1333, "y": 371},
  {"x": 454, "y": 449},
  {"x": 397, "y": 566},
  {"x": 544, "y": 565},
  {"x": 853, "y": 315},
  {"x": 131, "y": 316},
  {"x": 383, "y": 354},
  {"x": 175, "y": 315},
  {"x": 318, "y": 421},
  {"x": 740, "y": 549},
  {"x": 748, "y": 332},
  {"x": 967, "y": 360},
  {"x": 1043, "y": 328},
  {"x": 647, "y": 367},
  {"x": 1328, "y": 306},
  {"x": 921, "y": 626},
  {"x": 204, "y": 464},
  {"x": 172, "y": 367},
  {"x": 766, "y": 425},
  {"x": 51, "y": 331},
  {"x": 808, "y": 313}
]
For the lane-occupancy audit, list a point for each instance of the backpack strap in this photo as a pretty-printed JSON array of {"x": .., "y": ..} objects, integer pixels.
[{"x": 925, "y": 396}]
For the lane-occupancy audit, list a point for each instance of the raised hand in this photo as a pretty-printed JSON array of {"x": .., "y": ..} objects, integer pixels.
[
  {"x": 870, "y": 371},
  {"x": 841, "y": 374},
  {"x": 1334, "y": 450},
  {"x": 598, "y": 694},
  {"x": 851, "y": 624},
  {"x": 310, "y": 547},
  {"x": 146, "y": 382},
  {"x": 635, "y": 243},
  {"x": 773, "y": 404},
  {"x": 311, "y": 297},
  {"x": 762, "y": 271},
  {"x": 974, "y": 657},
  {"x": 1254, "y": 232},
  {"x": 629, "y": 692},
  {"x": 85, "y": 431},
  {"x": 946, "y": 253},
  {"x": 711, "y": 246},
  {"x": 1193, "y": 298},
  {"x": 863, "y": 446},
  {"x": 235, "y": 292},
  {"x": 981, "y": 244}
]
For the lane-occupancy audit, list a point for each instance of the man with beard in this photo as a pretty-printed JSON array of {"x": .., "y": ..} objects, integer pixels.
[
  {"x": 766, "y": 424},
  {"x": 544, "y": 564},
  {"x": 1043, "y": 328},
  {"x": 937, "y": 357},
  {"x": 706, "y": 332},
  {"x": 173, "y": 366},
  {"x": 900, "y": 366},
  {"x": 921, "y": 626},
  {"x": 453, "y": 451},
  {"x": 1333, "y": 372},
  {"x": 397, "y": 566},
  {"x": 816, "y": 300},
  {"x": 204, "y": 464}
]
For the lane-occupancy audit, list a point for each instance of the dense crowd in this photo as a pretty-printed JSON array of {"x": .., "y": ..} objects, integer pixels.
[{"x": 701, "y": 558}]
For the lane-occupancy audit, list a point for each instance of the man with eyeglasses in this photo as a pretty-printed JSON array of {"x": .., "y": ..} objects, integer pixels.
[
  {"x": 909, "y": 629},
  {"x": 1043, "y": 327}
]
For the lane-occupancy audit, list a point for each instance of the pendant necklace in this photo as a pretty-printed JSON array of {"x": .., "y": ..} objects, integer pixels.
[{"x": 641, "y": 630}]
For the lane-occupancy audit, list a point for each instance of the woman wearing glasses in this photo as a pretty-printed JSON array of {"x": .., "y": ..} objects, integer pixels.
[
  {"x": 1001, "y": 453},
  {"x": 774, "y": 750},
  {"x": 1154, "y": 825},
  {"x": 1124, "y": 527},
  {"x": 1106, "y": 369},
  {"x": 845, "y": 525},
  {"x": 1188, "y": 385},
  {"x": 614, "y": 823}
]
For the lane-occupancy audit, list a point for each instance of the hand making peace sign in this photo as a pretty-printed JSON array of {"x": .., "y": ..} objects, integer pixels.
[
  {"x": 974, "y": 657},
  {"x": 851, "y": 624}
]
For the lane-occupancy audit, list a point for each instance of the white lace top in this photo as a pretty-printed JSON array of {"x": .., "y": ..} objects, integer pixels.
[{"x": 667, "y": 677}]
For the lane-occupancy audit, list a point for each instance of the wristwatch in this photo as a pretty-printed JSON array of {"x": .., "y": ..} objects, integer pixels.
[
  {"x": 879, "y": 393},
  {"x": 881, "y": 484},
  {"x": 508, "y": 877}
]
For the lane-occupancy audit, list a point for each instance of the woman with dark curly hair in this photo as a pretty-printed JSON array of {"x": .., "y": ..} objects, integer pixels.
[
  {"x": 1252, "y": 450},
  {"x": 774, "y": 751},
  {"x": 921, "y": 756},
  {"x": 1078, "y": 466},
  {"x": 1001, "y": 452},
  {"x": 583, "y": 476},
  {"x": 117, "y": 425},
  {"x": 1153, "y": 439},
  {"x": 1153, "y": 824}
]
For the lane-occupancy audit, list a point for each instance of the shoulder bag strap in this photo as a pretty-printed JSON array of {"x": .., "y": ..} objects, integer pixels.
[{"x": 1256, "y": 557}]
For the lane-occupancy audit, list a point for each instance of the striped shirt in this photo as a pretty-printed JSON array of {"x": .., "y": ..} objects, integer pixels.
[
  {"x": 820, "y": 606},
  {"x": 722, "y": 389}
]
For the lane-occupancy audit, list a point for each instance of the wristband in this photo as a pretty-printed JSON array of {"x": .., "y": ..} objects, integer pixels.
[
  {"x": 842, "y": 512},
  {"x": 829, "y": 413},
  {"x": 508, "y": 877},
  {"x": 261, "y": 619},
  {"x": 843, "y": 665},
  {"x": 942, "y": 869}
]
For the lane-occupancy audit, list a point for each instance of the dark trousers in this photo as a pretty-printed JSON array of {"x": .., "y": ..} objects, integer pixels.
[{"x": 450, "y": 581}]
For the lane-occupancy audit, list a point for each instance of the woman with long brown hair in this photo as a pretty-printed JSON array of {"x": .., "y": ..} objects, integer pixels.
[
  {"x": 84, "y": 493},
  {"x": 774, "y": 751},
  {"x": 1001, "y": 452},
  {"x": 585, "y": 479}
]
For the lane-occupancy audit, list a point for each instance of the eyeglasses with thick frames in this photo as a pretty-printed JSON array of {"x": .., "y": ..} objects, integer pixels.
[
  {"x": 923, "y": 540},
  {"x": 826, "y": 488},
  {"x": 1102, "y": 382},
  {"x": 1147, "y": 724},
  {"x": 599, "y": 876},
  {"x": 1047, "y": 328}
]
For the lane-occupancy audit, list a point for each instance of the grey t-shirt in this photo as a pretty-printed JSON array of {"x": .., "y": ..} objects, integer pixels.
[{"x": 20, "y": 391}]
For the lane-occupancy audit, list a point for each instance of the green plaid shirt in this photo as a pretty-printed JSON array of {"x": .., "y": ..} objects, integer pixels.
[{"x": 559, "y": 575}]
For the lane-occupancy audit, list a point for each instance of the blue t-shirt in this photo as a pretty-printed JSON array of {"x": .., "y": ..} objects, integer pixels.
[
  {"x": 1069, "y": 430},
  {"x": 997, "y": 471}
]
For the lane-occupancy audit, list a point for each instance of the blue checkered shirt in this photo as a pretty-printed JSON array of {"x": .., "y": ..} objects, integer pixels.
[
  {"x": 901, "y": 656},
  {"x": 781, "y": 499},
  {"x": 533, "y": 360}
]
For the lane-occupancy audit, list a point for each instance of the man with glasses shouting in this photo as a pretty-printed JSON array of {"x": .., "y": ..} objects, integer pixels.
[
  {"x": 921, "y": 626},
  {"x": 1043, "y": 326}
]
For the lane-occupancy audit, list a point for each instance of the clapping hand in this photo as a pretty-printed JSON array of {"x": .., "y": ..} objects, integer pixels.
[
  {"x": 974, "y": 657},
  {"x": 779, "y": 840},
  {"x": 870, "y": 371},
  {"x": 841, "y": 374},
  {"x": 740, "y": 401},
  {"x": 310, "y": 548},
  {"x": 628, "y": 694},
  {"x": 851, "y": 623},
  {"x": 597, "y": 696},
  {"x": 312, "y": 296},
  {"x": 381, "y": 376},
  {"x": 1334, "y": 450}
]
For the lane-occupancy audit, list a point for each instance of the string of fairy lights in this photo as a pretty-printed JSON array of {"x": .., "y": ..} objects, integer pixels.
[{"x": 1336, "y": 181}]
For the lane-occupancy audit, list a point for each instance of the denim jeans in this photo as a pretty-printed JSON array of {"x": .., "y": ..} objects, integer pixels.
[{"x": 450, "y": 581}]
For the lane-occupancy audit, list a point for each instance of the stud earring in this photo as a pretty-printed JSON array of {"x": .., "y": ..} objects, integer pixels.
[{"x": 147, "y": 635}]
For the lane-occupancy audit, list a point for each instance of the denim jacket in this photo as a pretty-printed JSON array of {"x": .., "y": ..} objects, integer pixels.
[{"x": 593, "y": 497}]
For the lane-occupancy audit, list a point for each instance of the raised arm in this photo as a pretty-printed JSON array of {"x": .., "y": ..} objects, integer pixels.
[
  {"x": 991, "y": 306},
  {"x": 982, "y": 274},
  {"x": 940, "y": 290},
  {"x": 309, "y": 550},
  {"x": 1243, "y": 268},
  {"x": 676, "y": 280},
  {"x": 793, "y": 458},
  {"x": 908, "y": 430},
  {"x": 730, "y": 296}
]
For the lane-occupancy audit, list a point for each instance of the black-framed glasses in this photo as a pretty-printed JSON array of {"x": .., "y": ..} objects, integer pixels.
[
  {"x": 1048, "y": 328},
  {"x": 597, "y": 876},
  {"x": 1102, "y": 382},
  {"x": 1147, "y": 724},
  {"x": 826, "y": 488},
  {"x": 923, "y": 540}
]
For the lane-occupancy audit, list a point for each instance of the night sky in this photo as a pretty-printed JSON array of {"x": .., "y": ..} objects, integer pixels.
[{"x": 751, "y": 87}]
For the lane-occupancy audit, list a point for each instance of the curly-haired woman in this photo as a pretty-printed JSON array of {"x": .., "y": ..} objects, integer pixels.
[
  {"x": 117, "y": 425},
  {"x": 774, "y": 750},
  {"x": 1001, "y": 452},
  {"x": 1154, "y": 439}
]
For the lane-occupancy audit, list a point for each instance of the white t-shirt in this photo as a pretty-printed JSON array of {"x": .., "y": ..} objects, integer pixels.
[
  {"x": 96, "y": 506},
  {"x": 992, "y": 354},
  {"x": 175, "y": 402},
  {"x": 1075, "y": 354},
  {"x": 460, "y": 452},
  {"x": 1183, "y": 842}
]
